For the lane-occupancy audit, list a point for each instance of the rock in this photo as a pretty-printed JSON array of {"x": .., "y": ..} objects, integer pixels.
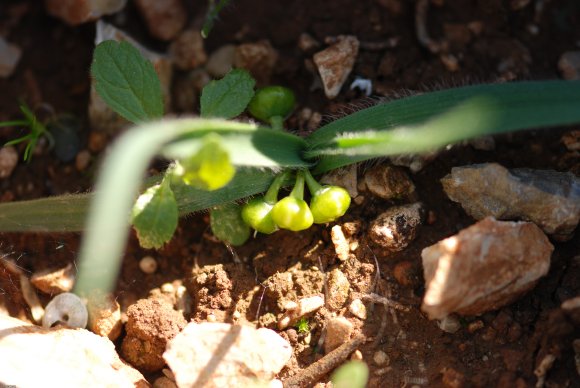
[
  {"x": 53, "y": 282},
  {"x": 225, "y": 355},
  {"x": 82, "y": 160},
  {"x": 548, "y": 198},
  {"x": 220, "y": 61},
  {"x": 9, "y": 57},
  {"x": 164, "y": 18},
  {"x": 105, "y": 317},
  {"x": 484, "y": 267},
  {"x": 75, "y": 12},
  {"x": 569, "y": 65},
  {"x": 307, "y": 43},
  {"x": 148, "y": 265},
  {"x": 358, "y": 309},
  {"x": 164, "y": 382},
  {"x": 415, "y": 162},
  {"x": 77, "y": 357},
  {"x": 298, "y": 310},
  {"x": 8, "y": 161},
  {"x": 344, "y": 177},
  {"x": 381, "y": 358},
  {"x": 259, "y": 59},
  {"x": 335, "y": 63},
  {"x": 338, "y": 332},
  {"x": 340, "y": 242},
  {"x": 572, "y": 140},
  {"x": 338, "y": 289},
  {"x": 449, "y": 324},
  {"x": 187, "y": 50},
  {"x": 407, "y": 274},
  {"x": 151, "y": 324},
  {"x": 396, "y": 228},
  {"x": 388, "y": 182}
]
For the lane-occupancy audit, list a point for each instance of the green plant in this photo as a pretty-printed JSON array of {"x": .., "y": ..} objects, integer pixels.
[
  {"x": 202, "y": 147},
  {"x": 352, "y": 374},
  {"x": 302, "y": 325},
  {"x": 37, "y": 130}
]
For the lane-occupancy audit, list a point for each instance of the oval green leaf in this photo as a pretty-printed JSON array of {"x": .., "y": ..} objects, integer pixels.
[
  {"x": 227, "y": 97},
  {"x": 227, "y": 224}
]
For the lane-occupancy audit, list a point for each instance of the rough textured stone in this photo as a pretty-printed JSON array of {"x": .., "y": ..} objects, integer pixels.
[
  {"x": 151, "y": 324},
  {"x": 388, "y": 182},
  {"x": 32, "y": 356},
  {"x": 338, "y": 332},
  {"x": 298, "y": 310},
  {"x": 187, "y": 50},
  {"x": 105, "y": 317},
  {"x": 75, "y": 12},
  {"x": 225, "y": 355},
  {"x": 9, "y": 57},
  {"x": 484, "y": 267},
  {"x": 8, "y": 161},
  {"x": 52, "y": 281},
  {"x": 396, "y": 228},
  {"x": 569, "y": 65},
  {"x": 338, "y": 289},
  {"x": 164, "y": 18},
  {"x": 335, "y": 64},
  {"x": 340, "y": 242},
  {"x": 258, "y": 59},
  {"x": 550, "y": 199},
  {"x": 344, "y": 177}
]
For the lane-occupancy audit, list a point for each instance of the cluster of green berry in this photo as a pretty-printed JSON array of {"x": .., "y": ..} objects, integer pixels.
[{"x": 267, "y": 214}]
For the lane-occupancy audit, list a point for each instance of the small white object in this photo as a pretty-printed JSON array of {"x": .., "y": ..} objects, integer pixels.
[
  {"x": 148, "y": 265},
  {"x": 366, "y": 85},
  {"x": 66, "y": 308}
]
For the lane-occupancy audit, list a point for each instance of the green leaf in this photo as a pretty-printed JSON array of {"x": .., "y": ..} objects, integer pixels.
[
  {"x": 227, "y": 224},
  {"x": 229, "y": 96},
  {"x": 155, "y": 215},
  {"x": 127, "y": 81},
  {"x": 210, "y": 167},
  {"x": 353, "y": 374}
]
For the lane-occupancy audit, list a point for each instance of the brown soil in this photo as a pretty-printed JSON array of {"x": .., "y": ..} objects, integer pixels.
[{"x": 500, "y": 348}]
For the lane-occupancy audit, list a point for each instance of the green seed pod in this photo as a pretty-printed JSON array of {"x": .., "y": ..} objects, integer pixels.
[
  {"x": 329, "y": 203},
  {"x": 293, "y": 214},
  {"x": 257, "y": 213},
  {"x": 272, "y": 102}
]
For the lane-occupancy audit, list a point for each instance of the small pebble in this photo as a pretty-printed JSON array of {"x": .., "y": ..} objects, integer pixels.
[
  {"x": 335, "y": 63},
  {"x": 105, "y": 317},
  {"x": 188, "y": 51},
  {"x": 475, "y": 326},
  {"x": 338, "y": 331},
  {"x": 381, "y": 358},
  {"x": 357, "y": 355},
  {"x": 338, "y": 289},
  {"x": 9, "y": 57},
  {"x": 8, "y": 161},
  {"x": 569, "y": 65},
  {"x": 341, "y": 244},
  {"x": 164, "y": 18},
  {"x": 258, "y": 58},
  {"x": 358, "y": 309},
  {"x": 82, "y": 160},
  {"x": 397, "y": 227},
  {"x": 305, "y": 306},
  {"x": 306, "y": 43},
  {"x": 220, "y": 61},
  {"x": 148, "y": 265},
  {"x": 54, "y": 281},
  {"x": 449, "y": 324}
]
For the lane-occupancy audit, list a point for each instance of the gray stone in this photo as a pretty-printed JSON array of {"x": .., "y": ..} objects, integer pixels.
[
  {"x": 388, "y": 182},
  {"x": 9, "y": 57},
  {"x": 338, "y": 332},
  {"x": 484, "y": 267},
  {"x": 338, "y": 289},
  {"x": 335, "y": 63},
  {"x": 550, "y": 199},
  {"x": 225, "y": 355}
]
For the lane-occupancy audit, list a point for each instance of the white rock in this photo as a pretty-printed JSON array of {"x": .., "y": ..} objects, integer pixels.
[
  {"x": 484, "y": 267},
  {"x": 337, "y": 290},
  {"x": 8, "y": 161},
  {"x": 305, "y": 306},
  {"x": 335, "y": 64},
  {"x": 52, "y": 281},
  {"x": 358, "y": 309},
  {"x": 340, "y": 242},
  {"x": 9, "y": 57},
  {"x": 148, "y": 265},
  {"x": 225, "y": 355},
  {"x": 32, "y": 356}
]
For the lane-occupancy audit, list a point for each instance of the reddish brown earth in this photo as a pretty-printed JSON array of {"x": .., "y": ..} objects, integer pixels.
[{"x": 500, "y": 348}]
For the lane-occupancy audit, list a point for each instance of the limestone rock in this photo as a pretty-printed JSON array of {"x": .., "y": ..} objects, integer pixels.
[
  {"x": 298, "y": 310},
  {"x": 388, "y": 182},
  {"x": 151, "y": 324},
  {"x": 75, "y": 12},
  {"x": 258, "y": 59},
  {"x": 335, "y": 64},
  {"x": 8, "y": 161},
  {"x": 32, "y": 356},
  {"x": 9, "y": 57},
  {"x": 225, "y": 355},
  {"x": 550, "y": 199},
  {"x": 396, "y": 228},
  {"x": 338, "y": 289},
  {"x": 164, "y": 18},
  {"x": 484, "y": 267},
  {"x": 338, "y": 332},
  {"x": 52, "y": 281}
]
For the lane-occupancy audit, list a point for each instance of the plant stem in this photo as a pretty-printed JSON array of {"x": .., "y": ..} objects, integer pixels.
[
  {"x": 298, "y": 190},
  {"x": 271, "y": 196},
  {"x": 13, "y": 123},
  {"x": 313, "y": 185},
  {"x": 277, "y": 122}
]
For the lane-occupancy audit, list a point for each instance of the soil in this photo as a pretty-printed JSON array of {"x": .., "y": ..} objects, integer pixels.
[{"x": 500, "y": 348}]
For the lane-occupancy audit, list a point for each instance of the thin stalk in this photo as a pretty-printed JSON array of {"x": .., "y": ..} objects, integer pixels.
[
  {"x": 271, "y": 196},
  {"x": 277, "y": 122},
  {"x": 313, "y": 185},
  {"x": 298, "y": 190}
]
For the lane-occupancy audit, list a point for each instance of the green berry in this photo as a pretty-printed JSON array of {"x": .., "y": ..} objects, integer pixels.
[
  {"x": 258, "y": 214},
  {"x": 271, "y": 102},
  {"x": 329, "y": 203},
  {"x": 293, "y": 214}
]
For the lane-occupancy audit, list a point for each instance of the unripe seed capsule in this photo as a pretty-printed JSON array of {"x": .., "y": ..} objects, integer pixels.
[{"x": 293, "y": 214}]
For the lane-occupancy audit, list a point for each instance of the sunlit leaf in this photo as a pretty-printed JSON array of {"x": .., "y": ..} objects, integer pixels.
[
  {"x": 227, "y": 224},
  {"x": 229, "y": 96}
]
